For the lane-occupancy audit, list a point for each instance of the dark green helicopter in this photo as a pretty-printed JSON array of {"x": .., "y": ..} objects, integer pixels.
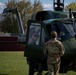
[{"x": 39, "y": 30}]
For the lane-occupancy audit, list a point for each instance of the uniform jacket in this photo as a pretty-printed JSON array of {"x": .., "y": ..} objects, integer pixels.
[{"x": 54, "y": 50}]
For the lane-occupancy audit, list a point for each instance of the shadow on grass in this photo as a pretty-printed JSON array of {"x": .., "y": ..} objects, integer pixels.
[{"x": 4, "y": 74}]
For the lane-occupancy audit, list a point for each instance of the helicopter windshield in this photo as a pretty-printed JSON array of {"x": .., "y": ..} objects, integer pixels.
[{"x": 64, "y": 30}]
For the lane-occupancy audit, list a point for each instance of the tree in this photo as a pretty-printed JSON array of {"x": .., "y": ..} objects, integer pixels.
[
  {"x": 26, "y": 8},
  {"x": 37, "y": 6},
  {"x": 72, "y": 6},
  {"x": 23, "y": 7},
  {"x": 9, "y": 24}
]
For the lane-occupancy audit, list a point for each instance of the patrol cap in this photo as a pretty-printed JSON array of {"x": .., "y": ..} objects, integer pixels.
[{"x": 53, "y": 34}]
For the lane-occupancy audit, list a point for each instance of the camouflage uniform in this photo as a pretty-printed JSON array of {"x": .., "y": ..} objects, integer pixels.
[{"x": 54, "y": 49}]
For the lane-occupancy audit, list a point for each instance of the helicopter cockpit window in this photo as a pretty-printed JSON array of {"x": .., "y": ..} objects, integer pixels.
[
  {"x": 65, "y": 31},
  {"x": 34, "y": 35}
]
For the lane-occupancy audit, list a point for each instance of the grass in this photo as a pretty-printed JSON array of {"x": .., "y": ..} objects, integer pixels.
[{"x": 14, "y": 63}]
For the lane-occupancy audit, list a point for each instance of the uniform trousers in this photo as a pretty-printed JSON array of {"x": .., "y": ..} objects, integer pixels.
[{"x": 53, "y": 69}]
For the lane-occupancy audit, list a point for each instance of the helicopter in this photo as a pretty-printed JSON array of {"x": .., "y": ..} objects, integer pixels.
[
  {"x": 11, "y": 40},
  {"x": 42, "y": 24}
]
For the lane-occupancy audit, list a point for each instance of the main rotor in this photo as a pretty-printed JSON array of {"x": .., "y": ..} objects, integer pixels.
[{"x": 58, "y": 5}]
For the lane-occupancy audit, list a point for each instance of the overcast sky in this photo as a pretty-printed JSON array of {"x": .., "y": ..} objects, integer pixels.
[{"x": 47, "y": 4}]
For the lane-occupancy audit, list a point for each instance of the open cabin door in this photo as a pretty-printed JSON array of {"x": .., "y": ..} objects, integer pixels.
[{"x": 34, "y": 39}]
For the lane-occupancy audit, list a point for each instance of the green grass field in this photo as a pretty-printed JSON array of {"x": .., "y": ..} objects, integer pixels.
[{"x": 14, "y": 63}]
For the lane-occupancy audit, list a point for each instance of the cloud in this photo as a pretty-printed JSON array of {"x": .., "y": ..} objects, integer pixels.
[
  {"x": 2, "y": 6},
  {"x": 48, "y": 6}
]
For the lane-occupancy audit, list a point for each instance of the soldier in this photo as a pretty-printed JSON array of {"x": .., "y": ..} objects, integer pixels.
[{"x": 54, "y": 50}]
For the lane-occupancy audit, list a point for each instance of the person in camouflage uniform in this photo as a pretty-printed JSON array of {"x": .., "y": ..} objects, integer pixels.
[{"x": 54, "y": 50}]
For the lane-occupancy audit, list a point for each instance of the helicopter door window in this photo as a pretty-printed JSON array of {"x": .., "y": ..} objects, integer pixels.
[{"x": 34, "y": 35}]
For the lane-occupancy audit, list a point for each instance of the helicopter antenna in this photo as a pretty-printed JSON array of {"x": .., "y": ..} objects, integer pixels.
[{"x": 58, "y": 5}]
